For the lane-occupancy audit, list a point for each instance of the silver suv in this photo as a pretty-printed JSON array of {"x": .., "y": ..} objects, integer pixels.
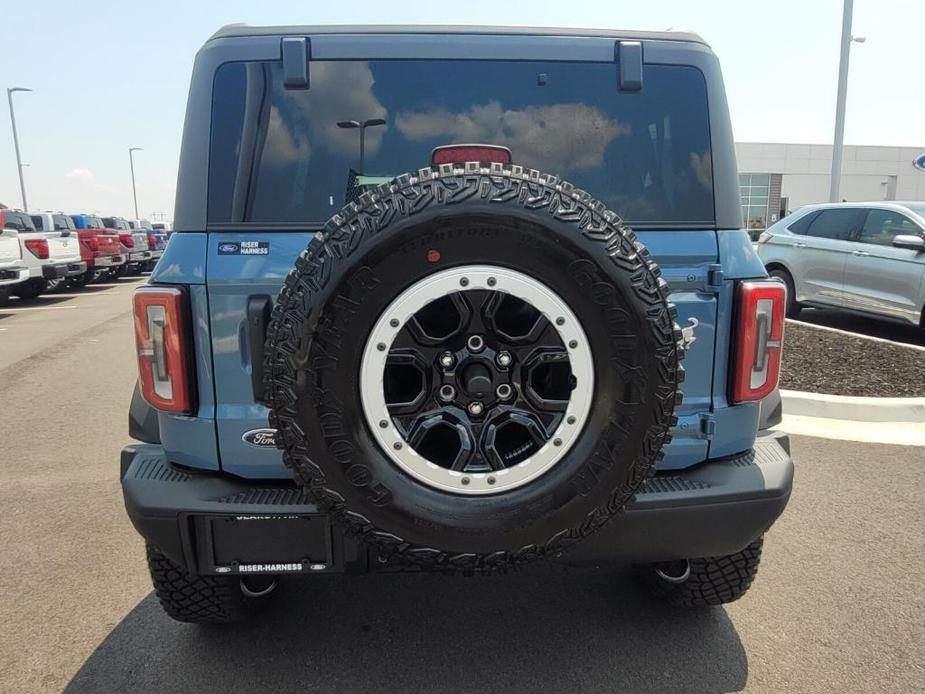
[{"x": 867, "y": 257}]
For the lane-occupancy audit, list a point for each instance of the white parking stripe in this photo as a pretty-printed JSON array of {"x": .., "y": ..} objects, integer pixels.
[{"x": 34, "y": 308}]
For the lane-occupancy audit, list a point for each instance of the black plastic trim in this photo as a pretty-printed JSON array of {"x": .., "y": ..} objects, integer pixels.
[
  {"x": 259, "y": 308},
  {"x": 142, "y": 419},
  {"x": 712, "y": 509}
]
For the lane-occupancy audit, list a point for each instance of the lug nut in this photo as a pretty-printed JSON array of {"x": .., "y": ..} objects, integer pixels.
[
  {"x": 505, "y": 359},
  {"x": 447, "y": 393},
  {"x": 476, "y": 408},
  {"x": 504, "y": 391},
  {"x": 475, "y": 343},
  {"x": 447, "y": 360}
]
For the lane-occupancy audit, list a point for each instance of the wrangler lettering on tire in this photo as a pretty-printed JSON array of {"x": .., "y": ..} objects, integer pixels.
[{"x": 473, "y": 366}]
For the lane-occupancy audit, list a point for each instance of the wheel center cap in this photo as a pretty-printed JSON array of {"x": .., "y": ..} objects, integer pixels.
[{"x": 477, "y": 380}]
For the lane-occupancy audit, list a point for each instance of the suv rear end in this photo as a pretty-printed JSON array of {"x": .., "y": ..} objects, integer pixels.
[{"x": 286, "y": 126}]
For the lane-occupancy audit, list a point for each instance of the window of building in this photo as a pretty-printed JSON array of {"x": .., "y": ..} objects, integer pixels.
[{"x": 754, "y": 190}]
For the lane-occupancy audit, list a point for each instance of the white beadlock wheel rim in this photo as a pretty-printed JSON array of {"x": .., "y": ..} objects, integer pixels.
[{"x": 462, "y": 279}]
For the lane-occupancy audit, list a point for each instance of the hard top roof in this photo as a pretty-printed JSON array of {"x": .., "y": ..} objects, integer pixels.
[{"x": 239, "y": 30}]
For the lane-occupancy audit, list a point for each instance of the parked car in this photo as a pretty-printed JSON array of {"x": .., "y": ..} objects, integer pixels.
[
  {"x": 165, "y": 227},
  {"x": 157, "y": 240},
  {"x": 12, "y": 269},
  {"x": 48, "y": 256},
  {"x": 64, "y": 251},
  {"x": 134, "y": 245},
  {"x": 864, "y": 257},
  {"x": 99, "y": 247},
  {"x": 471, "y": 365}
]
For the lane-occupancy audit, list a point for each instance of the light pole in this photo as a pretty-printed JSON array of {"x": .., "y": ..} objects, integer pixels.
[
  {"x": 22, "y": 184},
  {"x": 351, "y": 124},
  {"x": 131, "y": 164},
  {"x": 838, "y": 145}
]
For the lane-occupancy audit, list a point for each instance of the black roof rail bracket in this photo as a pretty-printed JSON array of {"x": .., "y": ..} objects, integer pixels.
[
  {"x": 297, "y": 53},
  {"x": 629, "y": 59}
]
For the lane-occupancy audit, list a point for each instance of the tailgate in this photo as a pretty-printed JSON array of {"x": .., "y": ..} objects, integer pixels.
[
  {"x": 63, "y": 249},
  {"x": 10, "y": 253},
  {"x": 688, "y": 260},
  {"x": 108, "y": 244}
]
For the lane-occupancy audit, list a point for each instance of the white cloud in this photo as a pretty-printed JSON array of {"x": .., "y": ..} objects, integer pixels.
[
  {"x": 81, "y": 173},
  {"x": 562, "y": 137}
]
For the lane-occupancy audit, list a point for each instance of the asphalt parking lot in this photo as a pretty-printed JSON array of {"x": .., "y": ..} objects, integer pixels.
[{"x": 837, "y": 606}]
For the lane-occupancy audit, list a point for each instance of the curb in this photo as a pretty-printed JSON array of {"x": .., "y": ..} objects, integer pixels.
[
  {"x": 862, "y": 336},
  {"x": 857, "y": 409}
]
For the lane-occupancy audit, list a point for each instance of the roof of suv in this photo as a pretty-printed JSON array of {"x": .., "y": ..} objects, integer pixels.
[{"x": 247, "y": 30}]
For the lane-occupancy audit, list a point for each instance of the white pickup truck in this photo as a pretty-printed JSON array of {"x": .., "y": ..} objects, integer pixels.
[
  {"x": 12, "y": 270},
  {"x": 50, "y": 251}
]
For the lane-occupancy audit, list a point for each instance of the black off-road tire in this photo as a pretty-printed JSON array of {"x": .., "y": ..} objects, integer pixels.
[
  {"x": 200, "y": 599},
  {"x": 712, "y": 580},
  {"x": 81, "y": 280},
  {"x": 433, "y": 220},
  {"x": 793, "y": 308},
  {"x": 30, "y": 289}
]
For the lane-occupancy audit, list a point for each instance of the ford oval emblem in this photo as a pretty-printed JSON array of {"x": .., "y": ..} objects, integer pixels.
[
  {"x": 260, "y": 438},
  {"x": 919, "y": 162}
]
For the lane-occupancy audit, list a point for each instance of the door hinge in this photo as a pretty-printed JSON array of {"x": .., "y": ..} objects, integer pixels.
[
  {"x": 707, "y": 425},
  {"x": 715, "y": 277},
  {"x": 296, "y": 53}
]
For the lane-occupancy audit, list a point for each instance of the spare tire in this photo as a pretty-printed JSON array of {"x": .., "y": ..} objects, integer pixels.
[{"x": 473, "y": 366}]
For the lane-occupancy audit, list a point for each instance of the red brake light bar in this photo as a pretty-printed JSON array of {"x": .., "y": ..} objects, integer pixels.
[
  {"x": 161, "y": 340},
  {"x": 457, "y": 154},
  {"x": 759, "y": 338}
]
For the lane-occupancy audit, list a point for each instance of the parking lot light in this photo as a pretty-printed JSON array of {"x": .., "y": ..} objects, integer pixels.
[
  {"x": 131, "y": 164},
  {"x": 19, "y": 164}
]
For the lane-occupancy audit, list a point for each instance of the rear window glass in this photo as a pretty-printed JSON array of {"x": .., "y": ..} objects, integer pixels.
[
  {"x": 39, "y": 222},
  {"x": 62, "y": 221},
  {"x": 17, "y": 221},
  {"x": 293, "y": 157}
]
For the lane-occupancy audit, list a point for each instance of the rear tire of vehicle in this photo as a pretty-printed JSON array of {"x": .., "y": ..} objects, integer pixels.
[
  {"x": 202, "y": 599},
  {"x": 82, "y": 280},
  {"x": 702, "y": 582},
  {"x": 793, "y": 307},
  {"x": 466, "y": 215},
  {"x": 30, "y": 289}
]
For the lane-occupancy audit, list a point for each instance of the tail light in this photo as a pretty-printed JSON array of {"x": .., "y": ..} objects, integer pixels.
[
  {"x": 38, "y": 248},
  {"x": 152, "y": 242},
  {"x": 457, "y": 154},
  {"x": 93, "y": 243},
  {"x": 127, "y": 240},
  {"x": 161, "y": 339},
  {"x": 759, "y": 339}
]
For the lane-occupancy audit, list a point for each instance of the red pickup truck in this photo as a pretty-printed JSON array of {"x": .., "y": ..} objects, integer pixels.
[{"x": 99, "y": 248}]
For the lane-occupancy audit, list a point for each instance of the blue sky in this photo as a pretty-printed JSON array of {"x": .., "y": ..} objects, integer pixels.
[{"x": 112, "y": 75}]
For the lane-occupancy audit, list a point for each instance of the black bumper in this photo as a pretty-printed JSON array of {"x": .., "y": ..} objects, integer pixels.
[
  {"x": 53, "y": 272},
  {"x": 715, "y": 508}
]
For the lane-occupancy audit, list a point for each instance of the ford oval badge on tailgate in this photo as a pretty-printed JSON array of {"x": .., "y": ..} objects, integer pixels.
[{"x": 260, "y": 438}]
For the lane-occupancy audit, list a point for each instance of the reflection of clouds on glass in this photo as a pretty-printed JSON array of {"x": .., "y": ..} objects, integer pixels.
[
  {"x": 347, "y": 89},
  {"x": 282, "y": 147},
  {"x": 702, "y": 164},
  {"x": 561, "y": 137}
]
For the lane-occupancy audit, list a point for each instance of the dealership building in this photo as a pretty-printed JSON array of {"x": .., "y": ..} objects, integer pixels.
[{"x": 777, "y": 178}]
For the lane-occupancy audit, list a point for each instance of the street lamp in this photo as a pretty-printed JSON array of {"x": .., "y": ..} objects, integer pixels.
[
  {"x": 838, "y": 145},
  {"x": 22, "y": 184},
  {"x": 131, "y": 164},
  {"x": 369, "y": 123}
]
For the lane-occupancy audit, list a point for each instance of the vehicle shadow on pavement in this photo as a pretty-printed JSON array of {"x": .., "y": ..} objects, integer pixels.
[{"x": 544, "y": 629}]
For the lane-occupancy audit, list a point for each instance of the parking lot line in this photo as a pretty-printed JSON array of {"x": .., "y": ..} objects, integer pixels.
[{"x": 34, "y": 308}]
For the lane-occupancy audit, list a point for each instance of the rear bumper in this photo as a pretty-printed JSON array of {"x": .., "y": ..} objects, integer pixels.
[
  {"x": 139, "y": 256},
  {"x": 13, "y": 275},
  {"x": 105, "y": 261},
  {"x": 716, "y": 508},
  {"x": 53, "y": 272},
  {"x": 76, "y": 269}
]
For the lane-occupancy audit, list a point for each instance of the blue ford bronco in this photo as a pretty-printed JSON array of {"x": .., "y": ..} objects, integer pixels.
[{"x": 427, "y": 306}]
